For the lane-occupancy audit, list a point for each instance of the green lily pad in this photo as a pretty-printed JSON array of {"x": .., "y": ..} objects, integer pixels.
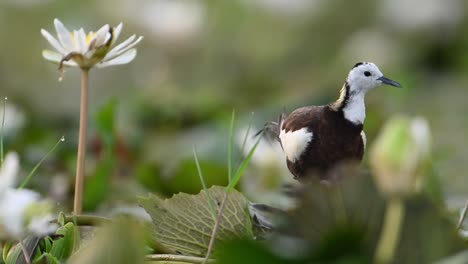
[{"x": 184, "y": 223}]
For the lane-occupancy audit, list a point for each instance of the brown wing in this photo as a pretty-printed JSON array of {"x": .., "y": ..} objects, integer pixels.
[{"x": 302, "y": 117}]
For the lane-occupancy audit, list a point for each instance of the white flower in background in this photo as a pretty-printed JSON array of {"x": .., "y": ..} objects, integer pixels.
[
  {"x": 21, "y": 211},
  {"x": 41, "y": 226},
  {"x": 76, "y": 48},
  {"x": 371, "y": 44},
  {"x": 13, "y": 205},
  {"x": 400, "y": 154},
  {"x": 267, "y": 154},
  {"x": 271, "y": 173},
  {"x": 175, "y": 23},
  {"x": 422, "y": 14},
  {"x": 8, "y": 171},
  {"x": 15, "y": 119}
]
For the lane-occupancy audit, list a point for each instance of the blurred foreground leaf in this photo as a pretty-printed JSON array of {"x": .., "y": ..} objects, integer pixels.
[
  {"x": 184, "y": 222},
  {"x": 343, "y": 222},
  {"x": 118, "y": 243}
]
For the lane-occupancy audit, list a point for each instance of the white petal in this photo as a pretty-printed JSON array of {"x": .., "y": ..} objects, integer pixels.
[
  {"x": 9, "y": 171},
  {"x": 115, "y": 52},
  {"x": 82, "y": 40},
  {"x": 42, "y": 226},
  {"x": 52, "y": 56},
  {"x": 122, "y": 59},
  {"x": 116, "y": 32},
  {"x": 56, "y": 57},
  {"x": 101, "y": 35},
  {"x": 124, "y": 44},
  {"x": 122, "y": 50},
  {"x": 76, "y": 41},
  {"x": 55, "y": 44},
  {"x": 13, "y": 206},
  {"x": 108, "y": 36},
  {"x": 64, "y": 35}
]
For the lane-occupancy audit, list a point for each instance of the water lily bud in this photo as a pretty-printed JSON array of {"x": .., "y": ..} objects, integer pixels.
[{"x": 399, "y": 155}]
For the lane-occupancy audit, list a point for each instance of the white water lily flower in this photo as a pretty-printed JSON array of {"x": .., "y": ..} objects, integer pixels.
[
  {"x": 13, "y": 205},
  {"x": 16, "y": 218},
  {"x": 76, "y": 48},
  {"x": 41, "y": 225},
  {"x": 8, "y": 171}
]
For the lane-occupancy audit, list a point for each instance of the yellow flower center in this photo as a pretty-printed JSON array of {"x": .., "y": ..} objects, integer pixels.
[{"x": 89, "y": 37}]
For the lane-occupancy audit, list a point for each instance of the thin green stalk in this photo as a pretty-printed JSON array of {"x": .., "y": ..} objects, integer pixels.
[
  {"x": 215, "y": 228},
  {"x": 80, "y": 163},
  {"x": 1, "y": 131},
  {"x": 33, "y": 171},
  {"x": 176, "y": 258},
  {"x": 388, "y": 242},
  {"x": 205, "y": 189},
  {"x": 462, "y": 216},
  {"x": 246, "y": 136},
  {"x": 231, "y": 145},
  {"x": 233, "y": 180},
  {"x": 240, "y": 170}
]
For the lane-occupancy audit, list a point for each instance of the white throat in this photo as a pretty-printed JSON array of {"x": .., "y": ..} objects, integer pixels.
[{"x": 355, "y": 109}]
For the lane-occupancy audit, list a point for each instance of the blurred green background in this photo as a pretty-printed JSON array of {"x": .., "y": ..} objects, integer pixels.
[{"x": 202, "y": 59}]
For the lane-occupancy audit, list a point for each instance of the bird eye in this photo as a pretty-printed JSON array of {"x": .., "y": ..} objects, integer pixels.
[{"x": 367, "y": 74}]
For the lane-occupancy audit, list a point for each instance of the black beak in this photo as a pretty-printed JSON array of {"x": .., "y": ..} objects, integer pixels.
[{"x": 385, "y": 80}]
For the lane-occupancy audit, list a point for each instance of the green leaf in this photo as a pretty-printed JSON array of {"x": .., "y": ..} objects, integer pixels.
[
  {"x": 31, "y": 244},
  {"x": 149, "y": 175},
  {"x": 105, "y": 121},
  {"x": 14, "y": 254},
  {"x": 50, "y": 259},
  {"x": 6, "y": 249},
  {"x": 62, "y": 248},
  {"x": 184, "y": 223},
  {"x": 240, "y": 170},
  {"x": 185, "y": 180},
  {"x": 202, "y": 180},
  {"x": 48, "y": 242},
  {"x": 97, "y": 187},
  {"x": 118, "y": 243}
]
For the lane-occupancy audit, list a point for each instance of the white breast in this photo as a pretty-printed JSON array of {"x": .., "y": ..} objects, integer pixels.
[
  {"x": 355, "y": 109},
  {"x": 295, "y": 142}
]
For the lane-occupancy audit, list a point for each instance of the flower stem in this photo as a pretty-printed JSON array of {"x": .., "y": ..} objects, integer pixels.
[
  {"x": 80, "y": 164},
  {"x": 390, "y": 236}
]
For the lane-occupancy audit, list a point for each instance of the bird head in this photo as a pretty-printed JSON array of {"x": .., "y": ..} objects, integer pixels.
[{"x": 365, "y": 76}]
